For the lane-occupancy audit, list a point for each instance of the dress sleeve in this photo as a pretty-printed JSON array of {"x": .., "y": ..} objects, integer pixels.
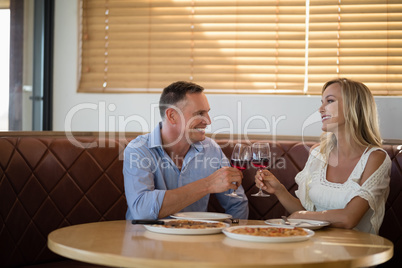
[{"x": 375, "y": 190}]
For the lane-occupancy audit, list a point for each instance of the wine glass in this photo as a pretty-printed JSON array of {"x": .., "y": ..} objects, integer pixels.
[
  {"x": 241, "y": 156},
  {"x": 261, "y": 159}
]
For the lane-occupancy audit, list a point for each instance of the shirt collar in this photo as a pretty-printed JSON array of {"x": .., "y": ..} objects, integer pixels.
[
  {"x": 199, "y": 146},
  {"x": 155, "y": 137},
  {"x": 155, "y": 140}
]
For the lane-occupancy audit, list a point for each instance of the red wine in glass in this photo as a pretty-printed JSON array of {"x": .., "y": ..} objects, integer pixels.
[
  {"x": 239, "y": 164},
  {"x": 261, "y": 163},
  {"x": 241, "y": 156},
  {"x": 261, "y": 156}
]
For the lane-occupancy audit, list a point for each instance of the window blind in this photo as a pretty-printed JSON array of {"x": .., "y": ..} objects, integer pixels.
[
  {"x": 360, "y": 40},
  {"x": 243, "y": 46},
  {"x": 4, "y": 4}
]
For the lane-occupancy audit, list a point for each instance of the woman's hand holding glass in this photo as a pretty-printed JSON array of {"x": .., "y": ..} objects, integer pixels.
[{"x": 266, "y": 181}]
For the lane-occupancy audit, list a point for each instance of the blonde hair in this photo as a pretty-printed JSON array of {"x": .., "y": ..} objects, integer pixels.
[{"x": 361, "y": 118}]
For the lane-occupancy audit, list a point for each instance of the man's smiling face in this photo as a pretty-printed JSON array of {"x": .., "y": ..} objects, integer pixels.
[{"x": 195, "y": 108}]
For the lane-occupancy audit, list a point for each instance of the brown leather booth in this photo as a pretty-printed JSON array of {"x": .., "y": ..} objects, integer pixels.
[{"x": 50, "y": 180}]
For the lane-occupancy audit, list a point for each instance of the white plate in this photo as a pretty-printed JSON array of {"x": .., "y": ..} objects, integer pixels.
[
  {"x": 309, "y": 224},
  {"x": 206, "y": 216},
  {"x": 253, "y": 238},
  {"x": 163, "y": 230},
  {"x": 265, "y": 246}
]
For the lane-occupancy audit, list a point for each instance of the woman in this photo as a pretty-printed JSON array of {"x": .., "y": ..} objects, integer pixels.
[{"x": 346, "y": 177}]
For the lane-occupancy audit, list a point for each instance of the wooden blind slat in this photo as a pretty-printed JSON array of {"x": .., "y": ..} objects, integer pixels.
[
  {"x": 240, "y": 46},
  {"x": 360, "y": 40},
  {"x": 4, "y": 4}
]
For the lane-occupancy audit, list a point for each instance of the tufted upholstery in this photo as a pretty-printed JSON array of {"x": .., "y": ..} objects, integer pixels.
[
  {"x": 391, "y": 227},
  {"x": 46, "y": 182}
]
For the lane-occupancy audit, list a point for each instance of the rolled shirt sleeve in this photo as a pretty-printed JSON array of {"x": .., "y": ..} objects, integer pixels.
[{"x": 143, "y": 200}]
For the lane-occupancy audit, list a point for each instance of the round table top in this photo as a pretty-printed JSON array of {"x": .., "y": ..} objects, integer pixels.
[{"x": 122, "y": 244}]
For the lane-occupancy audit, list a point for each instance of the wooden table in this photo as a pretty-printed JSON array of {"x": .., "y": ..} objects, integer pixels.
[{"x": 121, "y": 244}]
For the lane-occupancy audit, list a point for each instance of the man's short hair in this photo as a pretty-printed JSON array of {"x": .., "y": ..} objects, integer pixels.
[{"x": 175, "y": 93}]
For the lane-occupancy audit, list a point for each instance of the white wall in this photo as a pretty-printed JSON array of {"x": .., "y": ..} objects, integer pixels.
[
  {"x": 280, "y": 115},
  {"x": 4, "y": 67}
]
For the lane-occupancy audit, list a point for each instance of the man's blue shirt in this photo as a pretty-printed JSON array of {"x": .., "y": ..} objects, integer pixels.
[{"x": 149, "y": 172}]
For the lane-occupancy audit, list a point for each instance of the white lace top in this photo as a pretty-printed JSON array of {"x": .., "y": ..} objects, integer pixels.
[{"x": 318, "y": 194}]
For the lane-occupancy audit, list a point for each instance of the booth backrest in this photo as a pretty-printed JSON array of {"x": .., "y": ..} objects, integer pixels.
[{"x": 48, "y": 182}]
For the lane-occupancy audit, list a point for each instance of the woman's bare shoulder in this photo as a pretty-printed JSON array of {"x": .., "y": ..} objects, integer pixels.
[{"x": 375, "y": 160}]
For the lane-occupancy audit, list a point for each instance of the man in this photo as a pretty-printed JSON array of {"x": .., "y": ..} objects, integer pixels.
[{"x": 176, "y": 167}]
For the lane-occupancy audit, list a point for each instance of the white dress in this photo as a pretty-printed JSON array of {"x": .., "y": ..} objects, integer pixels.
[{"x": 318, "y": 194}]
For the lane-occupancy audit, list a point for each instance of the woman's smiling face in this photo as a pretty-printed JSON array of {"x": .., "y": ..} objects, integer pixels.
[{"x": 331, "y": 110}]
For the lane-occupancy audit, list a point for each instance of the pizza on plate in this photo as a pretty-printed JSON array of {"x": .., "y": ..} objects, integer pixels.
[
  {"x": 270, "y": 231},
  {"x": 189, "y": 224}
]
